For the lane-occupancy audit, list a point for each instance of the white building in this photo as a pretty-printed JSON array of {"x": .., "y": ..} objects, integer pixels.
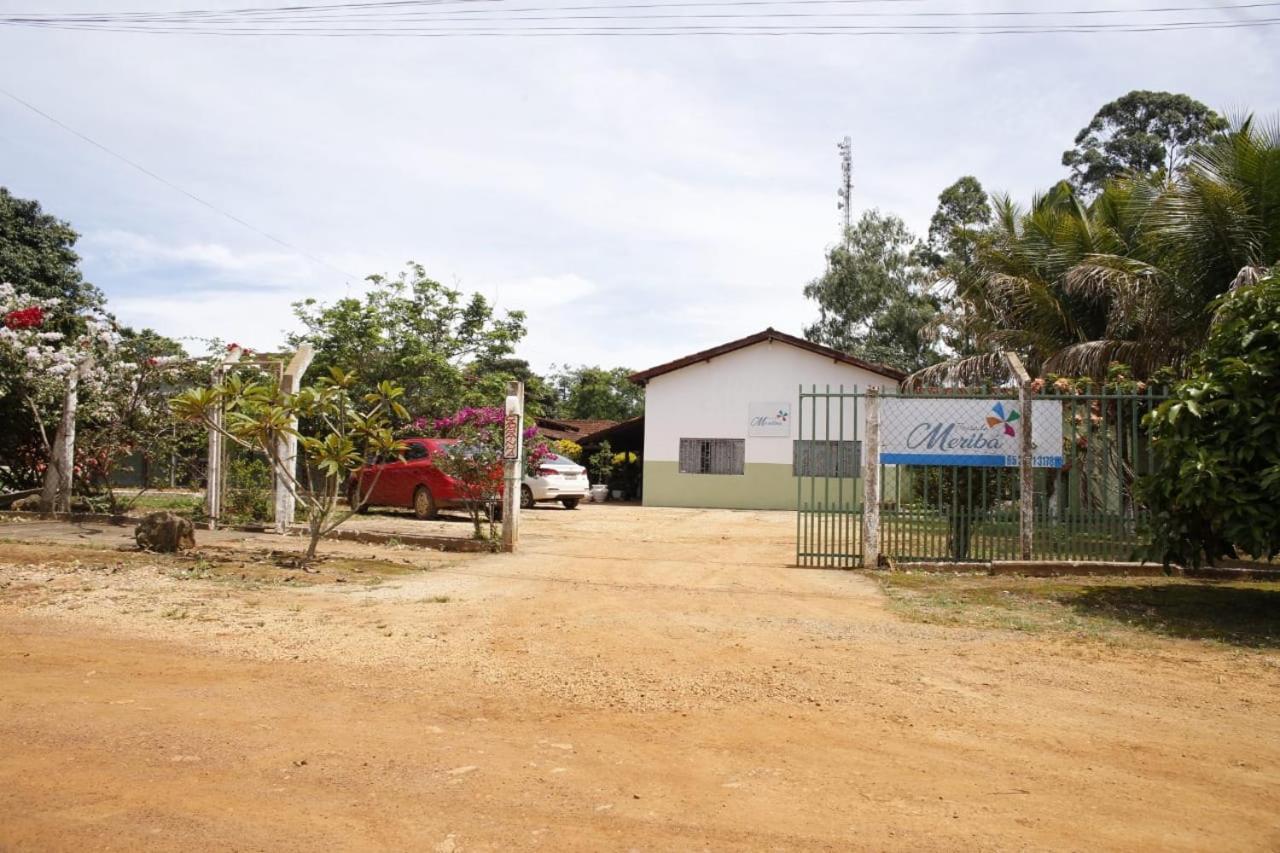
[{"x": 722, "y": 426}]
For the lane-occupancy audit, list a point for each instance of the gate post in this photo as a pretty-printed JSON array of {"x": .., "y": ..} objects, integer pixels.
[
  {"x": 1026, "y": 471},
  {"x": 216, "y": 476},
  {"x": 287, "y": 445},
  {"x": 871, "y": 483},
  {"x": 513, "y": 462}
]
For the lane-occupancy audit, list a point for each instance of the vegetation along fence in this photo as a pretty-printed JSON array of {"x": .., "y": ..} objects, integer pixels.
[{"x": 962, "y": 475}]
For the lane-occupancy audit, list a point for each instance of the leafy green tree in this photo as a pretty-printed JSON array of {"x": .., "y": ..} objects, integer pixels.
[
  {"x": 1215, "y": 491},
  {"x": 1128, "y": 276},
  {"x": 37, "y": 255},
  {"x": 964, "y": 209},
  {"x": 595, "y": 393},
  {"x": 956, "y": 232},
  {"x": 1141, "y": 132},
  {"x": 448, "y": 350},
  {"x": 349, "y": 436},
  {"x": 873, "y": 300}
]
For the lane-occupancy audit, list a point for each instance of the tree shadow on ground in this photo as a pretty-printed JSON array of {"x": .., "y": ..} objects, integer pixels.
[{"x": 1238, "y": 615}]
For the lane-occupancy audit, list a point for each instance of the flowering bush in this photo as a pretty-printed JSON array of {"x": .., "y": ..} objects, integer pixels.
[
  {"x": 24, "y": 318},
  {"x": 568, "y": 448},
  {"x": 50, "y": 373},
  {"x": 477, "y": 462},
  {"x": 106, "y": 389}
]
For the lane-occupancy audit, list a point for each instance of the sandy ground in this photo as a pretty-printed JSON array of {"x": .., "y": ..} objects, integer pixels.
[{"x": 632, "y": 680}]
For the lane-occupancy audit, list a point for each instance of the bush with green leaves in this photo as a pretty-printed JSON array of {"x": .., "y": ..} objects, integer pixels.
[
  {"x": 352, "y": 430},
  {"x": 1216, "y": 488},
  {"x": 600, "y": 464},
  {"x": 248, "y": 497}
]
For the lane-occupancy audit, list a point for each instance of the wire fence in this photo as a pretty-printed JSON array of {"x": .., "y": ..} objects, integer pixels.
[{"x": 948, "y": 483}]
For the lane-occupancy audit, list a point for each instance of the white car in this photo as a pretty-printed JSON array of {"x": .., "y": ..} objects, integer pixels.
[{"x": 558, "y": 478}]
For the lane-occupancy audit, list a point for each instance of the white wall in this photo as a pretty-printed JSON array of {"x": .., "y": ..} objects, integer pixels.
[{"x": 710, "y": 399}]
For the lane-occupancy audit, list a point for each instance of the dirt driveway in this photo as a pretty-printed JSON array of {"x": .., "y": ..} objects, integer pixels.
[{"x": 632, "y": 680}]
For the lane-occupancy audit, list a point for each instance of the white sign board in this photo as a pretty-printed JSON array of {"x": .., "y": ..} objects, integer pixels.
[
  {"x": 769, "y": 420},
  {"x": 962, "y": 431}
]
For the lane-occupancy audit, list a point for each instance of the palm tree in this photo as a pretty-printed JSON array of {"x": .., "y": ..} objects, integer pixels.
[{"x": 1128, "y": 277}]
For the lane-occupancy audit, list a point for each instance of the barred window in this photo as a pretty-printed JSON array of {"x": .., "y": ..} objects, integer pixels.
[
  {"x": 826, "y": 458},
  {"x": 712, "y": 455}
]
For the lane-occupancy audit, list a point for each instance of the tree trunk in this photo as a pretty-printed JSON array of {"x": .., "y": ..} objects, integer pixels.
[
  {"x": 56, "y": 494},
  {"x": 316, "y": 525}
]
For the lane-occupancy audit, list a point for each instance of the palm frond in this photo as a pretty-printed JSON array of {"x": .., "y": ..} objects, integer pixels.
[
  {"x": 1092, "y": 358},
  {"x": 959, "y": 372}
]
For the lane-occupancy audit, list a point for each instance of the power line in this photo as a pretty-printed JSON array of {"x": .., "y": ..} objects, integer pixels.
[
  {"x": 341, "y": 8},
  {"x": 364, "y": 12},
  {"x": 353, "y": 13},
  {"x": 441, "y": 18},
  {"x": 503, "y": 28},
  {"x": 171, "y": 185}
]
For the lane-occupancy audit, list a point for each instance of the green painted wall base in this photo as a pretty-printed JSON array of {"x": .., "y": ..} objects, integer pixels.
[{"x": 762, "y": 486}]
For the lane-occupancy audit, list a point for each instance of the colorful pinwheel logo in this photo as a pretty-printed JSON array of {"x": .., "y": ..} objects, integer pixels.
[
  {"x": 1001, "y": 419},
  {"x": 782, "y": 415}
]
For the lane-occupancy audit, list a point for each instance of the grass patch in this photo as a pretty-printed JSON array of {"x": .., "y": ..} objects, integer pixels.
[{"x": 1234, "y": 613}]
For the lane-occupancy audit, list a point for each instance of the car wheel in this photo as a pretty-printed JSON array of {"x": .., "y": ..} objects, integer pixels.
[
  {"x": 351, "y": 499},
  {"x": 424, "y": 504},
  {"x": 526, "y": 497},
  {"x": 569, "y": 503}
]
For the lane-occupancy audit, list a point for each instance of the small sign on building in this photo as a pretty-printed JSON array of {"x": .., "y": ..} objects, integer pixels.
[{"x": 769, "y": 420}]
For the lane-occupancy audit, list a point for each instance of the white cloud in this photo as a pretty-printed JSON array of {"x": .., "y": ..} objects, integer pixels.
[
  {"x": 639, "y": 199},
  {"x": 124, "y": 252}
]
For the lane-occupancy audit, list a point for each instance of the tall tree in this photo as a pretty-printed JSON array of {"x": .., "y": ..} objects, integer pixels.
[
  {"x": 1141, "y": 132},
  {"x": 1128, "y": 276},
  {"x": 956, "y": 231},
  {"x": 37, "y": 256},
  {"x": 445, "y": 349},
  {"x": 873, "y": 300},
  {"x": 595, "y": 393}
]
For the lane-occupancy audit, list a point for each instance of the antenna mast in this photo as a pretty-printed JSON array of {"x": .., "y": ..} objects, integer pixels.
[{"x": 845, "y": 204}]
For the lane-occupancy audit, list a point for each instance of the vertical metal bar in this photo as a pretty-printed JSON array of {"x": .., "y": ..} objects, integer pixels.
[
  {"x": 1134, "y": 417},
  {"x": 813, "y": 482},
  {"x": 855, "y": 519},
  {"x": 1069, "y": 491},
  {"x": 826, "y": 484},
  {"x": 796, "y": 457}
]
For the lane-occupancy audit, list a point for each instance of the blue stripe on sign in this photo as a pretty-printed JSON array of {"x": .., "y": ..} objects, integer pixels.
[
  {"x": 979, "y": 460},
  {"x": 976, "y": 460}
]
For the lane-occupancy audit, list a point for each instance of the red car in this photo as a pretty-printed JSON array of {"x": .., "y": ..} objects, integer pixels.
[{"x": 414, "y": 483}]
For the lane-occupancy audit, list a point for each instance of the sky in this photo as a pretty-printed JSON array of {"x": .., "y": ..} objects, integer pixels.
[{"x": 639, "y": 198}]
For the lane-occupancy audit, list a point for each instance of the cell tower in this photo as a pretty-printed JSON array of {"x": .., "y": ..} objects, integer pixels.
[{"x": 846, "y": 185}]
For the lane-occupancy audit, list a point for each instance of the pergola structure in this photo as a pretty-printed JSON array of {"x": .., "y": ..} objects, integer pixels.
[{"x": 289, "y": 378}]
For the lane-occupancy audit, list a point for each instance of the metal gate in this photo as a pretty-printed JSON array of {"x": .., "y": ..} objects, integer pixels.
[
  {"x": 826, "y": 460},
  {"x": 1083, "y": 504}
]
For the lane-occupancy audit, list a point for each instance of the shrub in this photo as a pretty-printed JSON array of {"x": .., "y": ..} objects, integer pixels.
[
  {"x": 248, "y": 495},
  {"x": 566, "y": 447},
  {"x": 1216, "y": 487},
  {"x": 600, "y": 464}
]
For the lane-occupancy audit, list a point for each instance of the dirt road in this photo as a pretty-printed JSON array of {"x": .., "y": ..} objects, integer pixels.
[{"x": 633, "y": 680}]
